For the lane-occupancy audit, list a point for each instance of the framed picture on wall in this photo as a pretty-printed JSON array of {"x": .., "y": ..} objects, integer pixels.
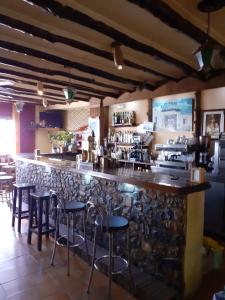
[
  {"x": 213, "y": 123},
  {"x": 173, "y": 115}
]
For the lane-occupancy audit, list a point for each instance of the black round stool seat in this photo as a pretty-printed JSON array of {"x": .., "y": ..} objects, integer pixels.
[
  {"x": 72, "y": 206},
  {"x": 40, "y": 194},
  {"x": 112, "y": 223},
  {"x": 24, "y": 186}
]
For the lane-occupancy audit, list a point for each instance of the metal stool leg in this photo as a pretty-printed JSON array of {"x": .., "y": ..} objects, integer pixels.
[
  {"x": 129, "y": 260},
  {"x": 93, "y": 261},
  {"x": 74, "y": 226},
  {"x": 85, "y": 239},
  {"x": 110, "y": 263},
  {"x": 56, "y": 235},
  {"x": 68, "y": 246}
]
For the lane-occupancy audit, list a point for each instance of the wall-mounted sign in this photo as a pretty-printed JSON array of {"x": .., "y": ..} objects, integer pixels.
[{"x": 172, "y": 115}]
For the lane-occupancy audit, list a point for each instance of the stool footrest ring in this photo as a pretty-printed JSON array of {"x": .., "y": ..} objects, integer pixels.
[
  {"x": 62, "y": 241},
  {"x": 118, "y": 262}
]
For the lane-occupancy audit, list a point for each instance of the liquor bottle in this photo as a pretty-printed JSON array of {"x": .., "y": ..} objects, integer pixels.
[
  {"x": 118, "y": 118},
  {"x": 123, "y": 118}
]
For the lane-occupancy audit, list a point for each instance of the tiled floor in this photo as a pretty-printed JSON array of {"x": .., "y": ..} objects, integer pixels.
[{"x": 26, "y": 274}]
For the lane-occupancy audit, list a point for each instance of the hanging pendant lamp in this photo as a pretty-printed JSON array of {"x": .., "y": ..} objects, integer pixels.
[
  {"x": 19, "y": 106},
  {"x": 117, "y": 56}
]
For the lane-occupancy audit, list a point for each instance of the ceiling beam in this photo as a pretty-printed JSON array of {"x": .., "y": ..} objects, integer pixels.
[
  {"x": 53, "y": 38},
  {"x": 24, "y": 99},
  {"x": 68, "y": 63},
  {"x": 28, "y": 95},
  {"x": 53, "y": 81},
  {"x": 13, "y": 62},
  {"x": 52, "y": 87},
  {"x": 33, "y": 92},
  {"x": 167, "y": 15},
  {"x": 73, "y": 15}
]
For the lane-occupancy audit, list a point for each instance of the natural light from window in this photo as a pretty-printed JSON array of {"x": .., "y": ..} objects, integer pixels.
[{"x": 7, "y": 137}]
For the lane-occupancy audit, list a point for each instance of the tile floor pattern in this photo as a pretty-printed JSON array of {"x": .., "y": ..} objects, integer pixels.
[{"x": 26, "y": 274}]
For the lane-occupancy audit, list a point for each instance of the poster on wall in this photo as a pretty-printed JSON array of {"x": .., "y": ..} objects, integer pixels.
[{"x": 172, "y": 115}]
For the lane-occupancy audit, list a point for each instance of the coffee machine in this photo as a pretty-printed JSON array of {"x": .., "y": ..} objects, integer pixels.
[{"x": 203, "y": 156}]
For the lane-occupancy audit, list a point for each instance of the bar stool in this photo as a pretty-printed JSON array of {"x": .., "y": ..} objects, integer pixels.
[
  {"x": 111, "y": 225},
  {"x": 69, "y": 209},
  {"x": 9, "y": 169},
  {"x": 18, "y": 212},
  {"x": 42, "y": 201},
  {"x": 5, "y": 186}
]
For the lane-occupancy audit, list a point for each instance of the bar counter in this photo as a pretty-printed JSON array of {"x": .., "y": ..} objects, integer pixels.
[
  {"x": 166, "y": 214},
  {"x": 162, "y": 182}
]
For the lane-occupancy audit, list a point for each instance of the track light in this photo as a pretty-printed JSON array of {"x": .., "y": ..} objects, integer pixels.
[
  {"x": 44, "y": 102},
  {"x": 19, "y": 106},
  {"x": 40, "y": 88},
  {"x": 117, "y": 55}
]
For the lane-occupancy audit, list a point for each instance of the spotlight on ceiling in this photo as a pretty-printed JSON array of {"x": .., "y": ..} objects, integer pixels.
[
  {"x": 19, "y": 106},
  {"x": 44, "y": 102},
  {"x": 69, "y": 93},
  {"x": 117, "y": 55},
  {"x": 40, "y": 88}
]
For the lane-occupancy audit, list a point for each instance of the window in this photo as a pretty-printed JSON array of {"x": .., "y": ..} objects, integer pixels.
[{"x": 7, "y": 137}]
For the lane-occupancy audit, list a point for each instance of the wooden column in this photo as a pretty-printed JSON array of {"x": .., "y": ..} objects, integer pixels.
[
  {"x": 16, "y": 118},
  {"x": 198, "y": 113},
  {"x": 104, "y": 122}
]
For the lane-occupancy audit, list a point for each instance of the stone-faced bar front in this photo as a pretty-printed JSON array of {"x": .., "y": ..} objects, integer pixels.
[{"x": 162, "y": 225}]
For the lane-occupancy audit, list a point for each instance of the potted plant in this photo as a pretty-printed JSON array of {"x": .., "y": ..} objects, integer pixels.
[{"x": 60, "y": 140}]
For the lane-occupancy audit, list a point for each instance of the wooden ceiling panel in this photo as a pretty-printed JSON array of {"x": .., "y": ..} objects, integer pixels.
[{"x": 69, "y": 42}]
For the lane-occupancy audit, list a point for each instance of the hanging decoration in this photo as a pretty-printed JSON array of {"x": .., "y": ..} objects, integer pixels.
[{"x": 19, "y": 106}]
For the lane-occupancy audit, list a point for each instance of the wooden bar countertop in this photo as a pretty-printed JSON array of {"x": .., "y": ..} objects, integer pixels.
[{"x": 174, "y": 183}]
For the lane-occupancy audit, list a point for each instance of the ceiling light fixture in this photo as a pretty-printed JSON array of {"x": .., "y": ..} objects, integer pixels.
[
  {"x": 40, "y": 88},
  {"x": 19, "y": 106},
  {"x": 117, "y": 55},
  {"x": 69, "y": 93},
  {"x": 208, "y": 56}
]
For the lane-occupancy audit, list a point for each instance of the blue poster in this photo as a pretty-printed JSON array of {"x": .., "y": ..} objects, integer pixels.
[{"x": 172, "y": 115}]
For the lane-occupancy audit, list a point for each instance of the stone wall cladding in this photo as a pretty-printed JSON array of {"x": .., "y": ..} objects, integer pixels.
[{"x": 157, "y": 220}]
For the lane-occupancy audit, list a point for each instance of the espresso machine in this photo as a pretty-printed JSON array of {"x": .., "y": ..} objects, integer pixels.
[{"x": 203, "y": 155}]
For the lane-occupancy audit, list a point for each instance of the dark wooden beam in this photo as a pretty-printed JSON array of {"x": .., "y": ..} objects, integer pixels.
[
  {"x": 53, "y": 38},
  {"x": 30, "y": 100},
  {"x": 33, "y": 92},
  {"x": 2, "y": 99},
  {"x": 73, "y": 15},
  {"x": 66, "y": 62},
  {"x": 50, "y": 72},
  {"x": 56, "y": 88},
  {"x": 167, "y": 15},
  {"x": 51, "y": 81},
  {"x": 26, "y": 95}
]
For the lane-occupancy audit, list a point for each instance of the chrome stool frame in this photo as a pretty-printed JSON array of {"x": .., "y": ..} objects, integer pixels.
[
  {"x": 69, "y": 209},
  {"x": 106, "y": 223}
]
